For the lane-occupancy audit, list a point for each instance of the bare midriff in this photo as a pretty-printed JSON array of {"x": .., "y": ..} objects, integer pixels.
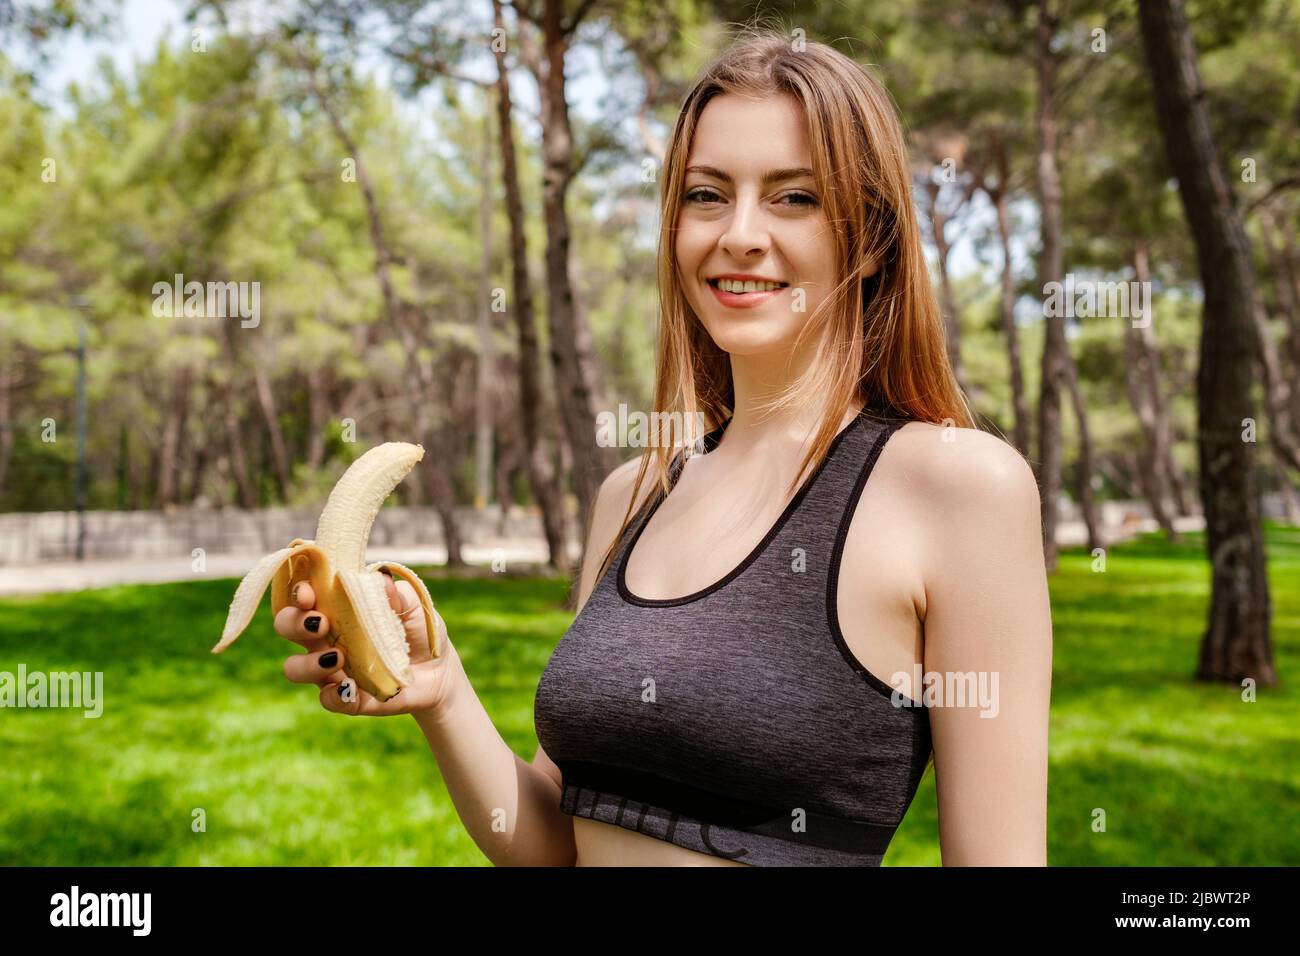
[{"x": 603, "y": 844}]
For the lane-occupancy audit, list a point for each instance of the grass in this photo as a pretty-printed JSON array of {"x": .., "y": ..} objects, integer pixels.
[{"x": 1187, "y": 774}]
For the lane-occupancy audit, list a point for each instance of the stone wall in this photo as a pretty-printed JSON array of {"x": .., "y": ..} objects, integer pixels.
[{"x": 26, "y": 538}]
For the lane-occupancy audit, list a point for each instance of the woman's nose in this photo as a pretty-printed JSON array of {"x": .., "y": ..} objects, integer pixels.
[{"x": 745, "y": 233}]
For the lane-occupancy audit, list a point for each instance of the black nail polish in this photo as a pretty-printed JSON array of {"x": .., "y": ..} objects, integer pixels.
[
  {"x": 312, "y": 623},
  {"x": 330, "y": 659}
]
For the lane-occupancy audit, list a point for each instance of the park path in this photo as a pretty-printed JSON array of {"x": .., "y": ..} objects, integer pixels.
[{"x": 57, "y": 576}]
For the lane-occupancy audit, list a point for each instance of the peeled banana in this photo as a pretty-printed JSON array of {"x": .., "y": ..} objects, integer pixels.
[{"x": 350, "y": 594}]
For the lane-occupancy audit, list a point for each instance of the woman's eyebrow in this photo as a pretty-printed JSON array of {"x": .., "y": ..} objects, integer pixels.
[{"x": 770, "y": 177}]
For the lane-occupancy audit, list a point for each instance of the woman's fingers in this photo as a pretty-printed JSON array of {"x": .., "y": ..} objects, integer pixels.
[
  {"x": 308, "y": 628},
  {"x": 303, "y": 596},
  {"x": 403, "y": 599},
  {"x": 313, "y": 625},
  {"x": 290, "y": 622},
  {"x": 323, "y": 667},
  {"x": 286, "y": 621},
  {"x": 346, "y": 697}
]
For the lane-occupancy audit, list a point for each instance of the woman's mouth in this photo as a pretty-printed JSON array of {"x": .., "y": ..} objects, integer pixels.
[{"x": 737, "y": 294}]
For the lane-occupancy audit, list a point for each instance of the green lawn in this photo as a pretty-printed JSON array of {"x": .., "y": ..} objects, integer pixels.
[{"x": 1187, "y": 774}]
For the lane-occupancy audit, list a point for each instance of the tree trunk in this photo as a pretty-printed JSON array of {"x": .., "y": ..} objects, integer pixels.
[
  {"x": 1286, "y": 491},
  {"x": 1051, "y": 268},
  {"x": 1142, "y": 375},
  {"x": 279, "y": 451},
  {"x": 317, "y": 407},
  {"x": 505, "y": 482},
  {"x": 577, "y": 379},
  {"x": 1119, "y": 468},
  {"x": 1277, "y": 241},
  {"x": 238, "y": 456},
  {"x": 1176, "y": 482},
  {"x": 1277, "y": 393},
  {"x": 169, "y": 453},
  {"x": 486, "y": 350},
  {"x": 947, "y": 297},
  {"x": 1236, "y": 644},
  {"x": 1007, "y": 302},
  {"x": 532, "y": 403},
  {"x": 1085, "y": 470},
  {"x": 419, "y": 383},
  {"x": 198, "y": 471},
  {"x": 6, "y": 412},
  {"x": 234, "y": 437},
  {"x": 123, "y": 468}
]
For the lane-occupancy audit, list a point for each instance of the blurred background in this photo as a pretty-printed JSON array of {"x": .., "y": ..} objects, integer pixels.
[{"x": 241, "y": 243}]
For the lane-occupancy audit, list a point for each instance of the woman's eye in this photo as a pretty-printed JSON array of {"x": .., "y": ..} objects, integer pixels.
[
  {"x": 702, "y": 195},
  {"x": 698, "y": 194}
]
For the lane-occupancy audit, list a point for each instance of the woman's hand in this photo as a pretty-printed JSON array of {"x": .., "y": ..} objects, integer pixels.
[{"x": 434, "y": 677}]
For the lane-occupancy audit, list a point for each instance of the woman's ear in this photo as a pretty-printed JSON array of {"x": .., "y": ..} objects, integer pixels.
[{"x": 870, "y": 280}]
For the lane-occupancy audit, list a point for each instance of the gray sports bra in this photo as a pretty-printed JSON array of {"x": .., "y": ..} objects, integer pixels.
[{"x": 735, "y": 721}]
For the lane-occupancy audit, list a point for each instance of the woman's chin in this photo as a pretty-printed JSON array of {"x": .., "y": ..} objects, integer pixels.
[{"x": 751, "y": 336}]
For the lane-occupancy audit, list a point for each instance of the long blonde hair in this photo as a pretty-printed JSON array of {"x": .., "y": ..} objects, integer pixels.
[{"x": 883, "y": 340}]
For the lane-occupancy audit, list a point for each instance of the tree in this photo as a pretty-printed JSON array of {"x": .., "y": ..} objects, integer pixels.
[
  {"x": 1236, "y": 644},
  {"x": 577, "y": 379}
]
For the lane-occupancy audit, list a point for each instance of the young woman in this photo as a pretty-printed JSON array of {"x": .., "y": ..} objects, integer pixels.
[{"x": 772, "y": 647}]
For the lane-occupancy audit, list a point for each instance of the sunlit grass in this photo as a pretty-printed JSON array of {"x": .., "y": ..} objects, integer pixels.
[
  {"x": 280, "y": 781},
  {"x": 1187, "y": 774}
]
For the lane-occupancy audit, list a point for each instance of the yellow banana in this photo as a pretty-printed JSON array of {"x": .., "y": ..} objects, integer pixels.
[{"x": 350, "y": 594}]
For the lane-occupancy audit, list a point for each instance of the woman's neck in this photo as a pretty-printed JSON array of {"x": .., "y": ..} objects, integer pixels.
[{"x": 757, "y": 380}]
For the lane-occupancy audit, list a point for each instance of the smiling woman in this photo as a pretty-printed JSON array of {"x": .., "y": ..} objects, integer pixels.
[
  {"x": 739, "y": 684},
  {"x": 721, "y": 696}
]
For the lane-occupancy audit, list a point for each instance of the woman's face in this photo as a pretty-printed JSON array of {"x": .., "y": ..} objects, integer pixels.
[{"x": 738, "y": 218}]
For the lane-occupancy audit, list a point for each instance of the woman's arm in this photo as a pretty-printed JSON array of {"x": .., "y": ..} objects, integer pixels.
[
  {"x": 511, "y": 807},
  {"x": 987, "y": 614}
]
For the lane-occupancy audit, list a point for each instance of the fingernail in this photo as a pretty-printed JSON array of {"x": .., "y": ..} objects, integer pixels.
[
  {"x": 346, "y": 692},
  {"x": 386, "y": 571},
  {"x": 330, "y": 659},
  {"x": 293, "y": 595},
  {"x": 312, "y": 623}
]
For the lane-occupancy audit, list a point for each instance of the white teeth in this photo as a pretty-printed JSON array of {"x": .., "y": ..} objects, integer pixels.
[{"x": 735, "y": 285}]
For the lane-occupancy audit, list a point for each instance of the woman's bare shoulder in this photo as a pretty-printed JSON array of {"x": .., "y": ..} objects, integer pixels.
[
  {"x": 950, "y": 467},
  {"x": 969, "y": 501},
  {"x": 616, "y": 489},
  {"x": 611, "y": 506}
]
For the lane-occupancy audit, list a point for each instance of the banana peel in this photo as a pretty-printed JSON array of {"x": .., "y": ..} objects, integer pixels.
[{"x": 348, "y": 592}]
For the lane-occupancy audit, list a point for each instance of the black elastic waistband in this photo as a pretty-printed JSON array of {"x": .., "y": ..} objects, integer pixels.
[{"x": 821, "y": 830}]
